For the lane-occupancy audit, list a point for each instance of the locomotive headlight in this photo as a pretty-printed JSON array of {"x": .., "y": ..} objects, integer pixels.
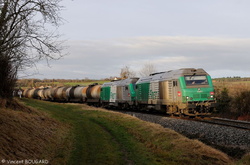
[
  {"x": 212, "y": 95},
  {"x": 189, "y": 98}
]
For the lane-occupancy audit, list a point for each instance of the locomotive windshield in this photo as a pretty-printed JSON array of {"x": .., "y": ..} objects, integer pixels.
[{"x": 196, "y": 80}]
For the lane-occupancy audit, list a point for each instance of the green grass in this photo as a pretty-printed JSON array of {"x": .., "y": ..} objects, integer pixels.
[
  {"x": 95, "y": 140},
  {"x": 103, "y": 137}
]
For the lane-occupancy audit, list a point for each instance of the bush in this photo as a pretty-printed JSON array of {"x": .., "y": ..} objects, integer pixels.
[
  {"x": 241, "y": 103},
  {"x": 233, "y": 104},
  {"x": 223, "y": 100}
]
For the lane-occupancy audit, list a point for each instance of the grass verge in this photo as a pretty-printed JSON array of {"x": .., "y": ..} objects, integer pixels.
[
  {"x": 29, "y": 134},
  {"x": 103, "y": 137}
]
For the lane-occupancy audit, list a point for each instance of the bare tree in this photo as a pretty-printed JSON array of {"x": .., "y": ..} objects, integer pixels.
[
  {"x": 24, "y": 39},
  {"x": 147, "y": 69},
  {"x": 126, "y": 72}
]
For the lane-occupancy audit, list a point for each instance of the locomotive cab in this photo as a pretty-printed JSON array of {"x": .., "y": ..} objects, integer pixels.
[{"x": 197, "y": 93}]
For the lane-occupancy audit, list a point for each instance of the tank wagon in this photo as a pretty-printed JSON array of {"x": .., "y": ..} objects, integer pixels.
[
  {"x": 75, "y": 94},
  {"x": 60, "y": 93},
  {"x": 35, "y": 93},
  {"x": 185, "y": 91},
  {"x": 47, "y": 93},
  {"x": 93, "y": 94}
]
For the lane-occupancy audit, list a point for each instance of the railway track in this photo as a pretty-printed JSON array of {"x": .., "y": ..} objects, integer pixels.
[
  {"x": 210, "y": 120},
  {"x": 229, "y": 136},
  {"x": 227, "y": 122}
]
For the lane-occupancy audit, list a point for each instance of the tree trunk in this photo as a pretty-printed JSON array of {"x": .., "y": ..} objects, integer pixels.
[{"x": 7, "y": 78}]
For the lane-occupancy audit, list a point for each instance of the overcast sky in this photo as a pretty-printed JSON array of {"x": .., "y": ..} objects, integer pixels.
[{"x": 104, "y": 36}]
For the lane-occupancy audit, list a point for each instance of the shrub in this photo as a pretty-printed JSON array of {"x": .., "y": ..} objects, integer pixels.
[
  {"x": 223, "y": 100},
  {"x": 241, "y": 103}
]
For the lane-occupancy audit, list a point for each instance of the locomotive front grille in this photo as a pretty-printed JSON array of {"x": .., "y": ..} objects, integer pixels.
[
  {"x": 203, "y": 95},
  {"x": 199, "y": 96}
]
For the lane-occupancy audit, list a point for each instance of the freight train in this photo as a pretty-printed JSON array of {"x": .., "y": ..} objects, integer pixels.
[{"x": 186, "y": 91}]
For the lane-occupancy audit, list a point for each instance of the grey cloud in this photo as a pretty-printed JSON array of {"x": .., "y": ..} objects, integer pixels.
[{"x": 104, "y": 58}]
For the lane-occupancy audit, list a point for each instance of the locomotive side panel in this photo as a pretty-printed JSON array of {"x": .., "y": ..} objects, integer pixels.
[
  {"x": 166, "y": 93},
  {"x": 113, "y": 94},
  {"x": 119, "y": 93},
  {"x": 126, "y": 96},
  {"x": 142, "y": 92},
  {"x": 154, "y": 93},
  {"x": 132, "y": 91},
  {"x": 105, "y": 94}
]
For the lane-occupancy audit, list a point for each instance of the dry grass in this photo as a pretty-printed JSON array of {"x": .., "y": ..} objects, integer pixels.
[
  {"x": 29, "y": 134},
  {"x": 233, "y": 87},
  {"x": 166, "y": 143},
  {"x": 245, "y": 160}
]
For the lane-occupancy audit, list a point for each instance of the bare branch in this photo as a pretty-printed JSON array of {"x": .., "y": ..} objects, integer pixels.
[
  {"x": 24, "y": 39},
  {"x": 147, "y": 69}
]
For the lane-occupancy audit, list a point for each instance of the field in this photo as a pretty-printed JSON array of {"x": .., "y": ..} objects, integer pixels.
[
  {"x": 233, "y": 86},
  {"x": 219, "y": 83},
  {"x": 29, "y": 83}
]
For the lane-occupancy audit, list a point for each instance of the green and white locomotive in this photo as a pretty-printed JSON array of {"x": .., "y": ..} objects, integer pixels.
[
  {"x": 119, "y": 93},
  {"x": 185, "y": 91}
]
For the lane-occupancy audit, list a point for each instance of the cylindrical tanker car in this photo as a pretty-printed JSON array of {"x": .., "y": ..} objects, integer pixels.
[
  {"x": 93, "y": 93},
  {"x": 186, "y": 91},
  {"x": 35, "y": 93},
  {"x": 60, "y": 93},
  {"x": 75, "y": 94},
  {"x": 47, "y": 93},
  {"x": 25, "y": 92}
]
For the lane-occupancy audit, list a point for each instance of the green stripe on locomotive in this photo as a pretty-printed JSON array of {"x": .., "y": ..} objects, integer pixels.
[
  {"x": 198, "y": 94},
  {"x": 142, "y": 92},
  {"x": 105, "y": 93},
  {"x": 131, "y": 87}
]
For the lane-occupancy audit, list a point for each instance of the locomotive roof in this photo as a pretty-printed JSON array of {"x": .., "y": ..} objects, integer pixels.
[
  {"x": 121, "y": 82},
  {"x": 172, "y": 74}
]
